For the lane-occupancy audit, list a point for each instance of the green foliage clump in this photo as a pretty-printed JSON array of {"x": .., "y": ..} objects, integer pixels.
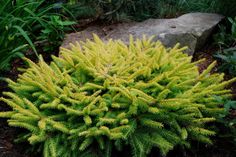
[
  {"x": 226, "y": 41},
  {"x": 29, "y": 24},
  {"x": 227, "y": 124},
  {"x": 227, "y": 58},
  {"x": 100, "y": 96}
]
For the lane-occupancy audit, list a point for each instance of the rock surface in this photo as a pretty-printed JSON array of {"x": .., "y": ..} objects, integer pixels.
[{"x": 190, "y": 30}]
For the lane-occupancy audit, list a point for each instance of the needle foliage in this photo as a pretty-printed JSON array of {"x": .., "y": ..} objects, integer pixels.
[{"x": 98, "y": 97}]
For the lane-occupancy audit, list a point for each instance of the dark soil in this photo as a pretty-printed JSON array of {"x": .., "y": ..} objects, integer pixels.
[
  {"x": 7, "y": 147},
  {"x": 222, "y": 147}
]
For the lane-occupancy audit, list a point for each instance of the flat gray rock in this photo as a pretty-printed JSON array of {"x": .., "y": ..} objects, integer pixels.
[{"x": 190, "y": 30}]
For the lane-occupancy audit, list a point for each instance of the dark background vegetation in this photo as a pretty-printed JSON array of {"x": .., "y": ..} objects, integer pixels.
[{"x": 39, "y": 25}]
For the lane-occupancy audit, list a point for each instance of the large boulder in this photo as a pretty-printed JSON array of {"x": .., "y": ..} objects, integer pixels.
[{"x": 190, "y": 30}]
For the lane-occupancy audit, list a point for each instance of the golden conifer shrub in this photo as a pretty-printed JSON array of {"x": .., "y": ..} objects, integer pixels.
[{"x": 98, "y": 97}]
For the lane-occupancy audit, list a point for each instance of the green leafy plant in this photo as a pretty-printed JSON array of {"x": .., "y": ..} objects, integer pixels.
[
  {"x": 100, "y": 96},
  {"x": 226, "y": 38},
  {"x": 233, "y": 27},
  {"x": 53, "y": 31},
  {"x": 25, "y": 23},
  {"x": 227, "y": 122},
  {"x": 227, "y": 45},
  {"x": 227, "y": 58},
  {"x": 226, "y": 41}
]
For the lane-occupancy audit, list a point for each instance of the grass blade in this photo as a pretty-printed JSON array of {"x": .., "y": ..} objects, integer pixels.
[{"x": 27, "y": 38}]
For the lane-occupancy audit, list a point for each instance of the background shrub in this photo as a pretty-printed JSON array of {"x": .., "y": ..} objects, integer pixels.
[
  {"x": 99, "y": 97},
  {"x": 114, "y": 10}
]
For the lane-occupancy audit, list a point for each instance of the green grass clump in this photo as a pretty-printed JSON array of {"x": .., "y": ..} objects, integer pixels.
[{"x": 98, "y": 97}]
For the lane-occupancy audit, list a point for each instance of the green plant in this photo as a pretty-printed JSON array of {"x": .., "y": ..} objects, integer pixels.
[
  {"x": 24, "y": 23},
  {"x": 233, "y": 27},
  {"x": 113, "y": 10},
  {"x": 227, "y": 59},
  {"x": 53, "y": 31},
  {"x": 99, "y": 96},
  {"x": 226, "y": 38},
  {"x": 227, "y": 122},
  {"x": 227, "y": 7},
  {"x": 227, "y": 45},
  {"x": 226, "y": 41}
]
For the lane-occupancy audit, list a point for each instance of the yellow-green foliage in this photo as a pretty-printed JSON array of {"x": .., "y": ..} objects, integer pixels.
[{"x": 99, "y": 96}]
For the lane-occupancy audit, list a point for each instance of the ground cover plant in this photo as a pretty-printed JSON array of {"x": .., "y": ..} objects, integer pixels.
[{"x": 98, "y": 97}]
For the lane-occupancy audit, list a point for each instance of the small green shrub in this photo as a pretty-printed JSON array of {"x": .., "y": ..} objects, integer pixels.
[{"x": 99, "y": 96}]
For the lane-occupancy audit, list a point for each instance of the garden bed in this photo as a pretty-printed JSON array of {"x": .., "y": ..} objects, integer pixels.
[{"x": 221, "y": 148}]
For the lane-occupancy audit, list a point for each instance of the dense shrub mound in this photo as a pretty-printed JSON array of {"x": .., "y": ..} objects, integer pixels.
[{"x": 99, "y": 96}]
